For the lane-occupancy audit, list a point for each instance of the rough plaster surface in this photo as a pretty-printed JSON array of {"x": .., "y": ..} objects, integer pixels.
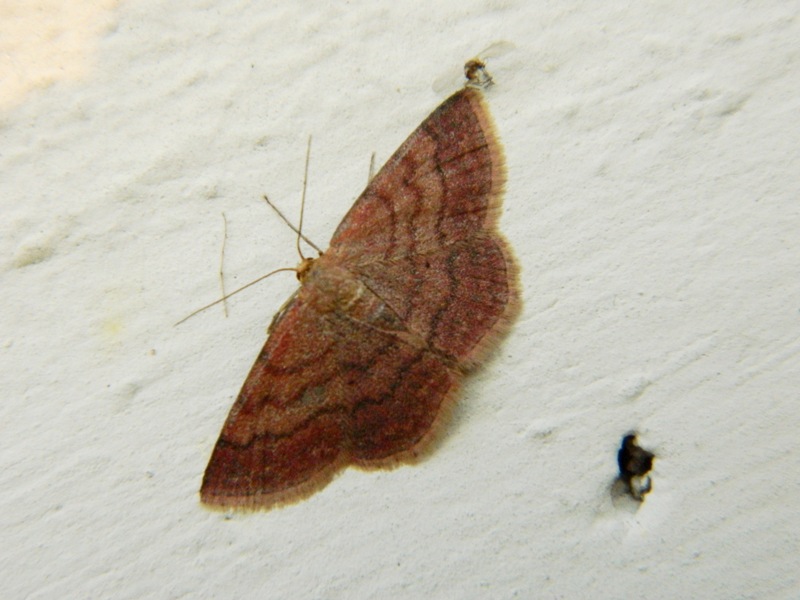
[{"x": 652, "y": 200}]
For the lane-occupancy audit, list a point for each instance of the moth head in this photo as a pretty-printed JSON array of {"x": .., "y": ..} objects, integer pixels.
[{"x": 303, "y": 268}]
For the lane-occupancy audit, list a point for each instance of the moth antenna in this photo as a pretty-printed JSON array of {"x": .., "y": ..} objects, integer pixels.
[
  {"x": 304, "y": 262},
  {"x": 371, "y": 168},
  {"x": 222, "y": 262},
  {"x": 291, "y": 225},
  {"x": 303, "y": 201},
  {"x": 234, "y": 292}
]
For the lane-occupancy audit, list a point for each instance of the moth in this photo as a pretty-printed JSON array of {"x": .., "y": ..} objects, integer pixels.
[{"x": 361, "y": 365}]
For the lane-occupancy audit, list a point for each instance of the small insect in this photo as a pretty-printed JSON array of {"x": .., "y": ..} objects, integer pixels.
[
  {"x": 474, "y": 69},
  {"x": 476, "y": 73}
]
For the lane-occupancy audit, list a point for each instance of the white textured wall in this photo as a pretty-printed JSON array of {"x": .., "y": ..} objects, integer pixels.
[{"x": 654, "y": 161}]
